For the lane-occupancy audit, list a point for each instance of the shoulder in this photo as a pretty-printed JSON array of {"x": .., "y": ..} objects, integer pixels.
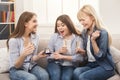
[
  {"x": 103, "y": 32},
  {"x": 55, "y": 35},
  {"x": 13, "y": 40},
  {"x": 84, "y": 32},
  {"x": 35, "y": 36},
  {"x": 78, "y": 37}
]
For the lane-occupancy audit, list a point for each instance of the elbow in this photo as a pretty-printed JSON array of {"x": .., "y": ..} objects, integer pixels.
[
  {"x": 100, "y": 55},
  {"x": 16, "y": 66},
  {"x": 77, "y": 58}
]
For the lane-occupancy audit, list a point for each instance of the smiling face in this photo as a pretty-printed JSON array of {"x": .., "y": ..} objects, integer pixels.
[
  {"x": 31, "y": 26},
  {"x": 62, "y": 28},
  {"x": 86, "y": 21}
]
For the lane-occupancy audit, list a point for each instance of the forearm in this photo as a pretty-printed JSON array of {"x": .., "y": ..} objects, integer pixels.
[
  {"x": 95, "y": 47},
  {"x": 69, "y": 58},
  {"x": 19, "y": 62},
  {"x": 35, "y": 58}
]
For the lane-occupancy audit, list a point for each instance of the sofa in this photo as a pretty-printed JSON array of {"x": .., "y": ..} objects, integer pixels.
[{"x": 115, "y": 51}]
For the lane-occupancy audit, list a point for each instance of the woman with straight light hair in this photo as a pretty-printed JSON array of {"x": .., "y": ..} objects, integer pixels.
[
  {"x": 23, "y": 46},
  {"x": 96, "y": 41}
]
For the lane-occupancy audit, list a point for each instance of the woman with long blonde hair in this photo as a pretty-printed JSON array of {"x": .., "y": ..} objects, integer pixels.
[{"x": 96, "y": 43}]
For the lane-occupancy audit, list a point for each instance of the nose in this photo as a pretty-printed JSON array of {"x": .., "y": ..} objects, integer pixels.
[
  {"x": 60, "y": 27},
  {"x": 82, "y": 23},
  {"x": 36, "y": 24}
]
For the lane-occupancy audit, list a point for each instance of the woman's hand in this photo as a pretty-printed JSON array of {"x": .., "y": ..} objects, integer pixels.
[
  {"x": 28, "y": 49},
  {"x": 42, "y": 54},
  {"x": 95, "y": 35},
  {"x": 56, "y": 55},
  {"x": 63, "y": 50},
  {"x": 80, "y": 51}
]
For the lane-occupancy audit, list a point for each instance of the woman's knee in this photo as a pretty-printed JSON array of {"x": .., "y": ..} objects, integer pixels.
[
  {"x": 82, "y": 77},
  {"x": 44, "y": 76},
  {"x": 31, "y": 77},
  {"x": 76, "y": 72},
  {"x": 67, "y": 77}
]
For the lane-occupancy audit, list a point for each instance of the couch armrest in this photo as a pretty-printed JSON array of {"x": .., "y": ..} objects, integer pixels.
[{"x": 115, "y": 54}]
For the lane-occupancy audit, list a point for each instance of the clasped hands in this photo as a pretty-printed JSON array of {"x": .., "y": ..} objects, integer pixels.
[
  {"x": 29, "y": 50},
  {"x": 63, "y": 51}
]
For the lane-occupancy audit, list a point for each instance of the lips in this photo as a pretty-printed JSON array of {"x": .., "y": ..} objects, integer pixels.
[{"x": 62, "y": 32}]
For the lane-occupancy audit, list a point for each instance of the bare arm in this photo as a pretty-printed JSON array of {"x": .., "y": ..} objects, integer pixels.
[
  {"x": 38, "y": 56},
  {"x": 27, "y": 51},
  {"x": 95, "y": 35}
]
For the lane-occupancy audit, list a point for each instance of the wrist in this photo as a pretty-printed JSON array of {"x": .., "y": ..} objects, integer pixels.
[
  {"x": 62, "y": 57},
  {"x": 23, "y": 55},
  {"x": 92, "y": 40}
]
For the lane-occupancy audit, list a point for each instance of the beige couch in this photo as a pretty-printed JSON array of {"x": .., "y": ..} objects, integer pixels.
[{"x": 43, "y": 62}]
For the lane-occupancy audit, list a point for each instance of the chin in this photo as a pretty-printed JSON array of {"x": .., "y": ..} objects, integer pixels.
[
  {"x": 86, "y": 27},
  {"x": 34, "y": 32}
]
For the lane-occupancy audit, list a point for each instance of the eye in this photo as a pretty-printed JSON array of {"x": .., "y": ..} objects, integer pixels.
[
  {"x": 34, "y": 21},
  {"x": 63, "y": 25},
  {"x": 58, "y": 26}
]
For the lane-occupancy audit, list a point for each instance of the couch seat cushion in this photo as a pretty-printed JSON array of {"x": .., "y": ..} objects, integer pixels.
[
  {"x": 4, "y": 76},
  {"x": 115, "y": 77}
]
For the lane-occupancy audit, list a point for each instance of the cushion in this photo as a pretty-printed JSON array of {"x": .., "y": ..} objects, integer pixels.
[
  {"x": 4, "y": 60},
  {"x": 115, "y": 54},
  {"x": 2, "y": 43},
  {"x": 116, "y": 57},
  {"x": 118, "y": 67},
  {"x": 4, "y": 76},
  {"x": 115, "y": 77}
]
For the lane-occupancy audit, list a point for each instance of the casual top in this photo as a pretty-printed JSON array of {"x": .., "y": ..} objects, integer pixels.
[
  {"x": 103, "y": 57},
  {"x": 16, "y": 46},
  {"x": 91, "y": 58},
  {"x": 56, "y": 42},
  {"x": 68, "y": 45}
]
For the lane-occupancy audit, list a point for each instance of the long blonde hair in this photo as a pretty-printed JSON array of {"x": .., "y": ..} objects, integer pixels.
[{"x": 90, "y": 11}]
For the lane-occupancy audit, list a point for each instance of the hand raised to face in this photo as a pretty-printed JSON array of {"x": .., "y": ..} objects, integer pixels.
[
  {"x": 95, "y": 35},
  {"x": 28, "y": 49}
]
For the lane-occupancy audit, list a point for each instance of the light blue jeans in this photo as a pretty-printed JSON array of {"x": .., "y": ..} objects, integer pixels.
[
  {"x": 58, "y": 72},
  {"x": 88, "y": 73},
  {"x": 37, "y": 73}
]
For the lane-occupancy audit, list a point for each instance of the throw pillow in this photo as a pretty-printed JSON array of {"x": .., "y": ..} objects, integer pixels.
[{"x": 4, "y": 60}]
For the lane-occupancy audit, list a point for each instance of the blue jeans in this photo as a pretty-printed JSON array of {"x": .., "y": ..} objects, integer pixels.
[
  {"x": 58, "y": 72},
  {"x": 88, "y": 73},
  {"x": 37, "y": 73}
]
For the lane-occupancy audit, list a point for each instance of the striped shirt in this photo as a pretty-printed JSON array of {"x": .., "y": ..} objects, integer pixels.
[
  {"x": 56, "y": 42},
  {"x": 16, "y": 46}
]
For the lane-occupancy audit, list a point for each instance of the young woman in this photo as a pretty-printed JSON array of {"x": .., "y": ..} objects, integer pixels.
[
  {"x": 64, "y": 47},
  {"x": 96, "y": 43},
  {"x": 23, "y": 46}
]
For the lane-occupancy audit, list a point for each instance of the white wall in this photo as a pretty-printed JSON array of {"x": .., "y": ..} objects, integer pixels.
[
  {"x": 110, "y": 13},
  {"x": 21, "y": 6}
]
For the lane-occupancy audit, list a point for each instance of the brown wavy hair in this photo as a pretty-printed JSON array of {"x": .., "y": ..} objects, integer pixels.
[
  {"x": 68, "y": 22},
  {"x": 20, "y": 28}
]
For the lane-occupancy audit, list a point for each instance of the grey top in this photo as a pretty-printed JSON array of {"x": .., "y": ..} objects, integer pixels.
[
  {"x": 16, "y": 46},
  {"x": 56, "y": 42}
]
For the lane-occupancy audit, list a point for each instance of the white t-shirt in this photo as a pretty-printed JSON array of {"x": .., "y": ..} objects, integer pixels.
[{"x": 91, "y": 58}]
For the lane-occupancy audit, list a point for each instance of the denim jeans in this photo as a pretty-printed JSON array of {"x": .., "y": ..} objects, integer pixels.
[
  {"x": 58, "y": 72},
  {"x": 88, "y": 73},
  {"x": 37, "y": 73}
]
